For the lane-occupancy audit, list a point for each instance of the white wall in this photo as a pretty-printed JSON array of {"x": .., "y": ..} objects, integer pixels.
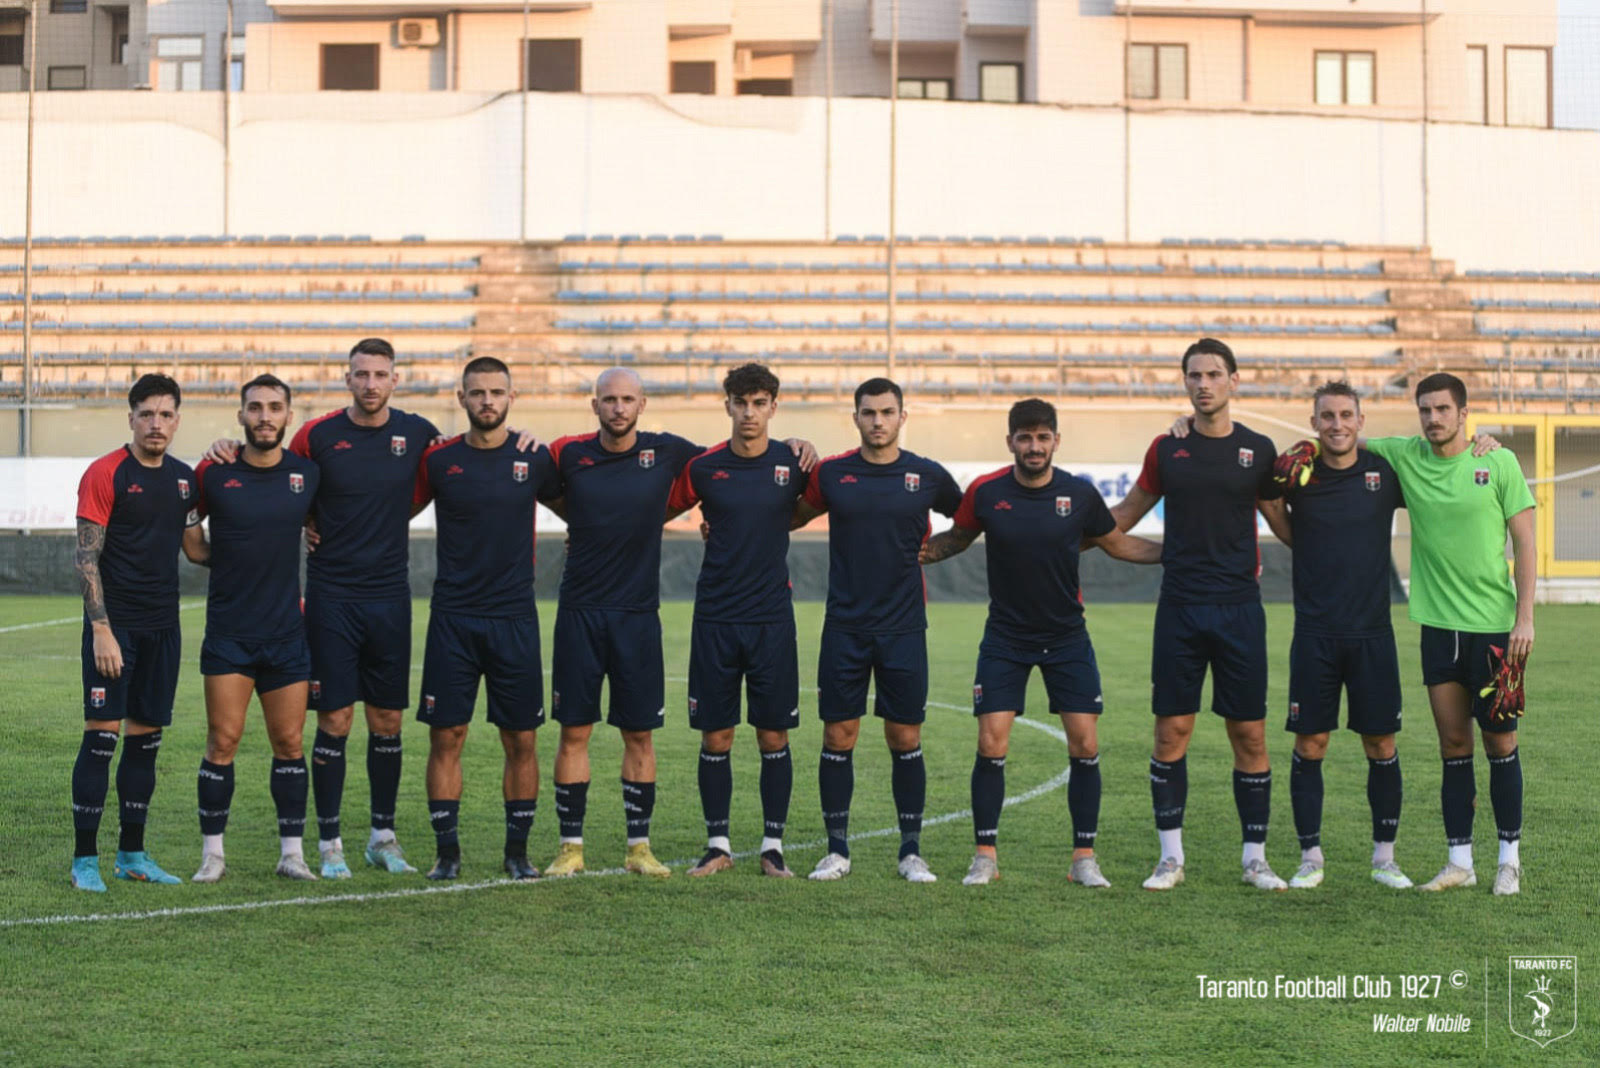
[{"x": 447, "y": 165}]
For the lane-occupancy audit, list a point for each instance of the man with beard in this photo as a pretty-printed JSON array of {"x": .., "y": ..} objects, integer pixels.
[
  {"x": 255, "y": 634},
  {"x": 483, "y": 624},
  {"x": 878, "y": 498},
  {"x": 135, "y": 506},
  {"x": 1037, "y": 518},
  {"x": 615, "y": 484},
  {"x": 1209, "y": 616}
]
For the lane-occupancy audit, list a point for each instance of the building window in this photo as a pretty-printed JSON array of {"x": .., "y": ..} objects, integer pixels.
[
  {"x": 67, "y": 78},
  {"x": 350, "y": 66},
  {"x": 68, "y": 7},
  {"x": 1345, "y": 78},
  {"x": 119, "y": 37},
  {"x": 1158, "y": 71},
  {"x": 1477, "y": 83},
  {"x": 236, "y": 64},
  {"x": 1527, "y": 86},
  {"x": 11, "y": 42},
  {"x": 178, "y": 63},
  {"x": 696, "y": 76},
  {"x": 926, "y": 88},
  {"x": 1000, "y": 83},
  {"x": 765, "y": 87},
  {"x": 555, "y": 65}
]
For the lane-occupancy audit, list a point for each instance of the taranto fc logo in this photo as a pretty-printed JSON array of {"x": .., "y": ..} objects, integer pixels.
[
  {"x": 1543, "y": 998},
  {"x": 1063, "y": 506},
  {"x": 1247, "y": 457},
  {"x": 297, "y": 482},
  {"x": 780, "y": 475},
  {"x": 1374, "y": 481},
  {"x": 647, "y": 457},
  {"x": 397, "y": 445},
  {"x": 519, "y": 470},
  {"x": 913, "y": 482},
  {"x": 183, "y": 488},
  {"x": 1481, "y": 476}
]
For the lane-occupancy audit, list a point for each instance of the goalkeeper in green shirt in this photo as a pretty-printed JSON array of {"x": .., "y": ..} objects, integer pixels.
[{"x": 1477, "y": 623}]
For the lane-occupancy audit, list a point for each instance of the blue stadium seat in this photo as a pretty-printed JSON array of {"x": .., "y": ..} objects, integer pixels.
[{"x": 710, "y": 237}]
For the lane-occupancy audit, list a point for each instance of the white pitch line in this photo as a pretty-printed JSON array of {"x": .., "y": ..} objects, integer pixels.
[
  {"x": 64, "y": 620},
  {"x": 1055, "y": 783}
]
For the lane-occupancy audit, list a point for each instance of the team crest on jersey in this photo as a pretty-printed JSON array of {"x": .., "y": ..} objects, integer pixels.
[
  {"x": 1247, "y": 457},
  {"x": 1481, "y": 476},
  {"x": 913, "y": 482},
  {"x": 397, "y": 445},
  {"x": 519, "y": 470},
  {"x": 977, "y": 694},
  {"x": 183, "y": 488},
  {"x": 297, "y": 482},
  {"x": 97, "y": 697},
  {"x": 647, "y": 457},
  {"x": 1063, "y": 506},
  {"x": 1374, "y": 481},
  {"x": 780, "y": 475},
  {"x": 316, "y": 690}
]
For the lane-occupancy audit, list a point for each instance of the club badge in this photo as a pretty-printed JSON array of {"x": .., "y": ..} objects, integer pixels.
[
  {"x": 780, "y": 475},
  {"x": 977, "y": 695},
  {"x": 316, "y": 690},
  {"x": 1481, "y": 476},
  {"x": 183, "y": 488},
  {"x": 97, "y": 697},
  {"x": 1294, "y": 711},
  {"x": 1063, "y": 506},
  {"x": 1247, "y": 457},
  {"x": 297, "y": 482},
  {"x": 913, "y": 482},
  {"x": 427, "y": 702},
  {"x": 397, "y": 445},
  {"x": 1374, "y": 481},
  {"x": 519, "y": 470},
  {"x": 647, "y": 457}
]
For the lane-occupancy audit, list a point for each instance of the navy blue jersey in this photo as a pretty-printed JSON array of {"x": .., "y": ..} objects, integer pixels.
[
  {"x": 749, "y": 502},
  {"x": 1210, "y": 551},
  {"x": 363, "y": 510},
  {"x": 877, "y": 520},
  {"x": 257, "y": 514},
  {"x": 485, "y": 504},
  {"x": 1034, "y": 535},
  {"x": 1341, "y": 521},
  {"x": 615, "y": 504},
  {"x": 144, "y": 510}
]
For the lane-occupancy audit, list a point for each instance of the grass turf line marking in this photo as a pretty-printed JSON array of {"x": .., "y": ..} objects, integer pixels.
[
  {"x": 1049, "y": 785},
  {"x": 64, "y": 620}
]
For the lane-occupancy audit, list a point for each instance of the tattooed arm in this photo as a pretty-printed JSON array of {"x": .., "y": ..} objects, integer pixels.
[
  {"x": 86, "y": 561},
  {"x": 943, "y": 546}
]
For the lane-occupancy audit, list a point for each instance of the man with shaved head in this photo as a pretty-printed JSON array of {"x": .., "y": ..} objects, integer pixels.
[{"x": 615, "y": 485}]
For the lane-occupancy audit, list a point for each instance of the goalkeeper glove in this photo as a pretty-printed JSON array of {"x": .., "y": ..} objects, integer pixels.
[
  {"x": 1293, "y": 468},
  {"x": 1506, "y": 686}
]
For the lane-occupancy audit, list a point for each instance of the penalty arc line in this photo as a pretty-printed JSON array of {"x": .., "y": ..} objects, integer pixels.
[{"x": 1049, "y": 785}]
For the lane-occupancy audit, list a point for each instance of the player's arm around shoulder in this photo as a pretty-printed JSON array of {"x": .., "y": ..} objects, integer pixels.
[
  {"x": 1102, "y": 531},
  {"x": 967, "y": 526},
  {"x": 1144, "y": 493}
]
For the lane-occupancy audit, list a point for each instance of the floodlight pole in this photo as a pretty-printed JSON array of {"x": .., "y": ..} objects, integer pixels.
[
  {"x": 227, "y": 124},
  {"x": 827, "y": 127},
  {"x": 1424, "y": 28},
  {"x": 894, "y": 120},
  {"x": 25, "y": 416},
  {"x": 522, "y": 203}
]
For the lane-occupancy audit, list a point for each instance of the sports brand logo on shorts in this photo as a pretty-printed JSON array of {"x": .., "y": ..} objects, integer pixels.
[
  {"x": 977, "y": 694},
  {"x": 1481, "y": 476},
  {"x": 397, "y": 445},
  {"x": 297, "y": 482},
  {"x": 913, "y": 482},
  {"x": 1374, "y": 481},
  {"x": 519, "y": 470},
  {"x": 1247, "y": 457},
  {"x": 1543, "y": 998},
  {"x": 647, "y": 457},
  {"x": 183, "y": 488},
  {"x": 316, "y": 690},
  {"x": 780, "y": 475},
  {"x": 97, "y": 697},
  {"x": 1063, "y": 506}
]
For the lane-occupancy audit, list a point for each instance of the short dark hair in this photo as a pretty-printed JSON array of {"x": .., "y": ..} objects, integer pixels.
[
  {"x": 874, "y": 387},
  {"x": 270, "y": 381},
  {"x": 1336, "y": 387},
  {"x": 373, "y": 346},
  {"x": 1211, "y": 346},
  {"x": 1031, "y": 413},
  {"x": 484, "y": 365},
  {"x": 154, "y": 386},
  {"x": 1444, "y": 380},
  {"x": 750, "y": 378}
]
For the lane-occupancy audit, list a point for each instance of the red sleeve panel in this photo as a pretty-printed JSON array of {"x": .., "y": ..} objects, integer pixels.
[
  {"x": 97, "y": 490},
  {"x": 967, "y": 515},
  {"x": 1150, "y": 475}
]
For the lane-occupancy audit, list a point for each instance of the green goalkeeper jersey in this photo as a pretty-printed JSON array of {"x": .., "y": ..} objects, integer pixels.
[{"x": 1459, "y": 506}]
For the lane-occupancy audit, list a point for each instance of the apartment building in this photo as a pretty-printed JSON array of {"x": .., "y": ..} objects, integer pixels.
[{"x": 83, "y": 44}]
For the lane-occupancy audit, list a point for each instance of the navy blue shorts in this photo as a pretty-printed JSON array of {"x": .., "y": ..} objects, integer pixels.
[
  {"x": 1071, "y": 676},
  {"x": 896, "y": 664},
  {"x": 1465, "y": 658},
  {"x": 764, "y": 655},
  {"x": 504, "y": 653},
  {"x": 149, "y": 679},
  {"x": 1366, "y": 669},
  {"x": 597, "y": 644},
  {"x": 1230, "y": 639},
  {"x": 360, "y": 651},
  {"x": 273, "y": 665}
]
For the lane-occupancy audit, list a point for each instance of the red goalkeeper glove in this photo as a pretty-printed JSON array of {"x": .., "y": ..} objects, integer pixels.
[
  {"x": 1506, "y": 686},
  {"x": 1293, "y": 468}
]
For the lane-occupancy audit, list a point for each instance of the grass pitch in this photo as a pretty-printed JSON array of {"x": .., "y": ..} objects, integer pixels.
[{"x": 739, "y": 969}]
